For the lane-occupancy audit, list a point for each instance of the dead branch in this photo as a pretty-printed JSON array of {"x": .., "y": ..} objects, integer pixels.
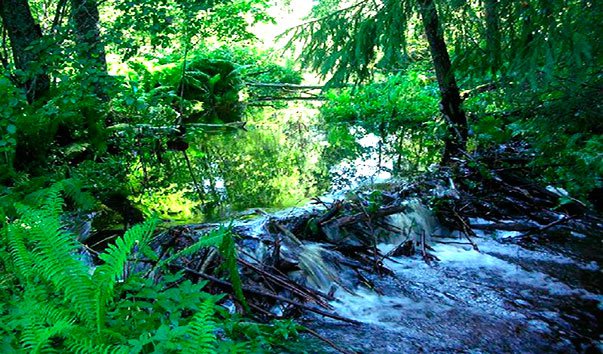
[
  {"x": 285, "y": 86},
  {"x": 326, "y": 340},
  {"x": 248, "y": 290}
]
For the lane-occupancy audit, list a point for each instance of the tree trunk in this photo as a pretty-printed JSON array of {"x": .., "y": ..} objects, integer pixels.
[
  {"x": 493, "y": 45},
  {"x": 85, "y": 17},
  {"x": 23, "y": 32},
  {"x": 450, "y": 104}
]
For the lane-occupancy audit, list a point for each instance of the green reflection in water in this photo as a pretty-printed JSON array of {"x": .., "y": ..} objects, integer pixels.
[{"x": 277, "y": 162}]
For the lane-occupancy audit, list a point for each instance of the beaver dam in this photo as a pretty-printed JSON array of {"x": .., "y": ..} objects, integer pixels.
[{"x": 481, "y": 265}]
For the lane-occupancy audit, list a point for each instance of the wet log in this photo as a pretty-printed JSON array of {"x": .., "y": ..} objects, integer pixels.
[
  {"x": 228, "y": 285},
  {"x": 362, "y": 216},
  {"x": 514, "y": 226}
]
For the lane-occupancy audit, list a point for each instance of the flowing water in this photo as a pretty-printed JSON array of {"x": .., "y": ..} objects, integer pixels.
[{"x": 503, "y": 298}]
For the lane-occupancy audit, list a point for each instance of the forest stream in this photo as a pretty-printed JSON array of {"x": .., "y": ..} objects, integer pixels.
[
  {"x": 491, "y": 292},
  {"x": 295, "y": 176},
  {"x": 374, "y": 266},
  {"x": 506, "y": 297},
  {"x": 421, "y": 286}
]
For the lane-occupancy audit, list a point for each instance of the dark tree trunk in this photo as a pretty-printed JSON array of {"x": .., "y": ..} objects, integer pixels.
[
  {"x": 85, "y": 18},
  {"x": 493, "y": 46},
  {"x": 450, "y": 104},
  {"x": 23, "y": 32}
]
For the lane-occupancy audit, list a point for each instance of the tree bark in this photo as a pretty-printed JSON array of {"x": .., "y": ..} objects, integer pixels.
[
  {"x": 86, "y": 18},
  {"x": 493, "y": 44},
  {"x": 450, "y": 104},
  {"x": 23, "y": 32}
]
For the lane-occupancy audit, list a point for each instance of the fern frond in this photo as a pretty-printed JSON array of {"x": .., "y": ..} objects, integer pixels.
[
  {"x": 73, "y": 190},
  {"x": 40, "y": 247},
  {"x": 212, "y": 239},
  {"x": 43, "y": 324},
  {"x": 116, "y": 258},
  {"x": 21, "y": 257},
  {"x": 200, "y": 333},
  {"x": 53, "y": 250},
  {"x": 86, "y": 346},
  {"x": 229, "y": 252},
  {"x": 53, "y": 203}
]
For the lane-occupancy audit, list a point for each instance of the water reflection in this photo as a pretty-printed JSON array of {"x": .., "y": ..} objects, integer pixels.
[{"x": 283, "y": 158}]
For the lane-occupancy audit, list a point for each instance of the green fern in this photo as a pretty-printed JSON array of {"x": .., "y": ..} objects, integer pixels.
[
  {"x": 116, "y": 258},
  {"x": 53, "y": 250},
  {"x": 44, "y": 321},
  {"x": 43, "y": 253},
  {"x": 54, "y": 304},
  {"x": 212, "y": 239},
  {"x": 200, "y": 333},
  {"x": 228, "y": 250},
  {"x": 37, "y": 337},
  {"x": 21, "y": 257},
  {"x": 87, "y": 346},
  {"x": 73, "y": 190}
]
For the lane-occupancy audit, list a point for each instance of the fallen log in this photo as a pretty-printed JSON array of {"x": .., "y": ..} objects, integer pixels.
[
  {"x": 528, "y": 225},
  {"x": 228, "y": 285},
  {"x": 362, "y": 216}
]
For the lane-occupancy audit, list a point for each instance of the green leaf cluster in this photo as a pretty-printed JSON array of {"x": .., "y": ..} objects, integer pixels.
[
  {"x": 400, "y": 110},
  {"x": 53, "y": 299}
]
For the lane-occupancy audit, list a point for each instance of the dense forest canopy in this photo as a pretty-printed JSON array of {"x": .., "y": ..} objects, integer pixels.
[{"x": 113, "y": 112}]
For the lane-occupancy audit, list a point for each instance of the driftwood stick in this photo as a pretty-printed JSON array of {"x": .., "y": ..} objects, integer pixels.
[
  {"x": 330, "y": 214},
  {"x": 261, "y": 310},
  {"x": 226, "y": 284},
  {"x": 544, "y": 228},
  {"x": 285, "y": 86},
  {"x": 279, "y": 274},
  {"x": 352, "y": 219},
  {"x": 293, "y": 287},
  {"x": 287, "y": 233},
  {"x": 467, "y": 231},
  {"x": 555, "y": 223},
  {"x": 328, "y": 341}
]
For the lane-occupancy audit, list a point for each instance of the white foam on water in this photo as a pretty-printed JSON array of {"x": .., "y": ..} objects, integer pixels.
[
  {"x": 474, "y": 269},
  {"x": 463, "y": 258},
  {"x": 384, "y": 310},
  {"x": 512, "y": 250}
]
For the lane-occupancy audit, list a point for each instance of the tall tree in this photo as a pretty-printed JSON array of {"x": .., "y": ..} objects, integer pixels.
[
  {"x": 450, "y": 104},
  {"x": 348, "y": 41},
  {"x": 23, "y": 33},
  {"x": 493, "y": 40},
  {"x": 86, "y": 17}
]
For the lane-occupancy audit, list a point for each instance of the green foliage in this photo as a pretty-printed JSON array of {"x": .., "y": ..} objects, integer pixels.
[
  {"x": 559, "y": 122},
  {"x": 228, "y": 250},
  {"x": 262, "y": 336},
  {"x": 201, "y": 336},
  {"x": 55, "y": 302},
  {"x": 534, "y": 39},
  {"x": 165, "y": 24},
  {"x": 401, "y": 111},
  {"x": 565, "y": 131},
  {"x": 12, "y": 103},
  {"x": 115, "y": 259},
  {"x": 346, "y": 42},
  {"x": 207, "y": 91}
]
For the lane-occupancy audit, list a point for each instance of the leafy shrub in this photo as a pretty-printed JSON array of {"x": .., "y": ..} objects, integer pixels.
[
  {"x": 53, "y": 300},
  {"x": 401, "y": 111}
]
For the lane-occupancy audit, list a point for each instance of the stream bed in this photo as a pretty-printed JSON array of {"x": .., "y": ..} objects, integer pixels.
[{"x": 506, "y": 298}]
